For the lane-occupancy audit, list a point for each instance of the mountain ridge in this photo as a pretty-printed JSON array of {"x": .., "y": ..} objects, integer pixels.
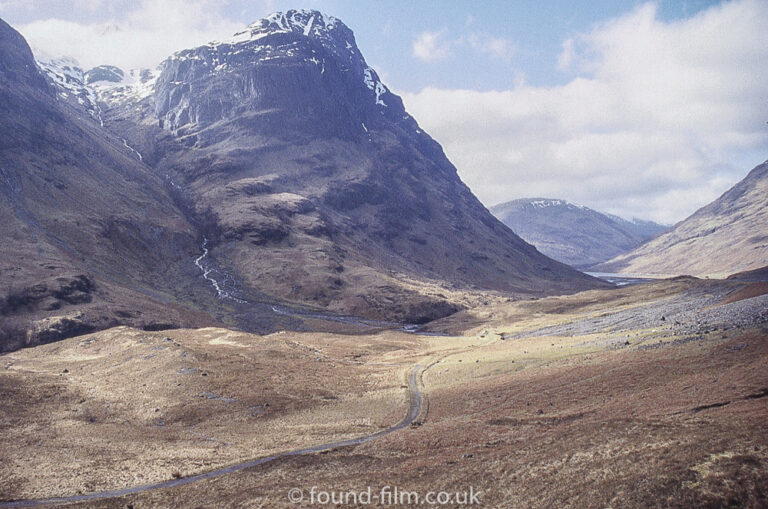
[{"x": 570, "y": 233}]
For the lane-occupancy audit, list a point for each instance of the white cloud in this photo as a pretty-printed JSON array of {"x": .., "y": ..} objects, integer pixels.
[
  {"x": 661, "y": 118},
  {"x": 494, "y": 46},
  {"x": 90, "y": 5},
  {"x": 435, "y": 46},
  {"x": 566, "y": 56},
  {"x": 431, "y": 46},
  {"x": 16, "y": 4},
  {"x": 141, "y": 37}
]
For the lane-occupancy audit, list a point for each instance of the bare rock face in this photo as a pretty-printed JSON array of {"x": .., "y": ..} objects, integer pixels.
[
  {"x": 55, "y": 328},
  {"x": 725, "y": 237},
  {"x": 48, "y": 294},
  {"x": 313, "y": 182}
]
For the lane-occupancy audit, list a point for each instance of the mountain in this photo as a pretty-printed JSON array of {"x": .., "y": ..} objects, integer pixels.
[
  {"x": 643, "y": 229},
  {"x": 237, "y": 178},
  {"x": 312, "y": 183},
  {"x": 572, "y": 234},
  {"x": 90, "y": 236},
  {"x": 727, "y": 236}
]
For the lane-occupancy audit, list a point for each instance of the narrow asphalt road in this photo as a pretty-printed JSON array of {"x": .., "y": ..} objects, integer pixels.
[{"x": 414, "y": 409}]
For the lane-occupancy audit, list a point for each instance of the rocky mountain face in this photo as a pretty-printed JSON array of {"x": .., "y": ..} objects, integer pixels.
[
  {"x": 269, "y": 168},
  {"x": 725, "y": 237},
  {"x": 313, "y": 183},
  {"x": 90, "y": 236},
  {"x": 572, "y": 234}
]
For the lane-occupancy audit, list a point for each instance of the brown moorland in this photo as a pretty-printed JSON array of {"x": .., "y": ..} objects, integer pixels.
[{"x": 644, "y": 396}]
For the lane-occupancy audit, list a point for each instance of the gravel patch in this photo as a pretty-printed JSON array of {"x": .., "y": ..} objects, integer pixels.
[{"x": 693, "y": 312}]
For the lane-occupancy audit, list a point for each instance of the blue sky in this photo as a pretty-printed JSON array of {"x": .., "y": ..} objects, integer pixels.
[
  {"x": 641, "y": 109},
  {"x": 533, "y": 31}
]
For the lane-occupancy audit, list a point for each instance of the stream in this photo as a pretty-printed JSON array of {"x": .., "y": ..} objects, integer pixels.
[
  {"x": 208, "y": 272},
  {"x": 223, "y": 283}
]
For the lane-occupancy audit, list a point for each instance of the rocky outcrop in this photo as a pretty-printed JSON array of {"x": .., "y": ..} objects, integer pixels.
[
  {"x": 47, "y": 295},
  {"x": 56, "y": 328}
]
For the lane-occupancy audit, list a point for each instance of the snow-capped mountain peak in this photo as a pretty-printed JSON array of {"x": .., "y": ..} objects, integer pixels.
[
  {"x": 312, "y": 49},
  {"x": 311, "y": 23},
  {"x": 322, "y": 45},
  {"x": 329, "y": 31}
]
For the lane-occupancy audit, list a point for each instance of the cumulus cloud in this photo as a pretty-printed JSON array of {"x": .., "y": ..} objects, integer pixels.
[
  {"x": 141, "y": 37},
  {"x": 431, "y": 46},
  {"x": 661, "y": 118}
]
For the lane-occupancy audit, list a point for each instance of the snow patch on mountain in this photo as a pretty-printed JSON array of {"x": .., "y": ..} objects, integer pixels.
[
  {"x": 137, "y": 84},
  {"x": 102, "y": 84},
  {"x": 544, "y": 203},
  {"x": 373, "y": 83},
  {"x": 69, "y": 79},
  {"x": 309, "y": 23}
]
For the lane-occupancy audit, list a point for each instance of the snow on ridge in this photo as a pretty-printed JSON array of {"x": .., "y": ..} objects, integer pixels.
[
  {"x": 136, "y": 85},
  {"x": 373, "y": 83},
  {"x": 310, "y": 23},
  {"x": 548, "y": 202},
  {"x": 70, "y": 80}
]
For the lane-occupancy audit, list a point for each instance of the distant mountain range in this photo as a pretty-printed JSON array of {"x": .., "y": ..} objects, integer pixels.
[
  {"x": 573, "y": 234},
  {"x": 273, "y": 167},
  {"x": 727, "y": 236}
]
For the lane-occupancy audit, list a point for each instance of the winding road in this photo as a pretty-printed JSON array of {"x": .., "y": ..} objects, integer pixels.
[{"x": 414, "y": 409}]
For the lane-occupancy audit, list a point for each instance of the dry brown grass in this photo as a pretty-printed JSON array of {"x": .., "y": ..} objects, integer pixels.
[
  {"x": 749, "y": 291},
  {"x": 537, "y": 422},
  {"x": 124, "y": 407}
]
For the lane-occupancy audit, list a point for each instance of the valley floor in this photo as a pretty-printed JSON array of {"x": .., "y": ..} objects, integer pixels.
[{"x": 650, "y": 395}]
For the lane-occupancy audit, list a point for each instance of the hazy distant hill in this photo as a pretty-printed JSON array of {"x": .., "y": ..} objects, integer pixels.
[
  {"x": 729, "y": 235},
  {"x": 572, "y": 234}
]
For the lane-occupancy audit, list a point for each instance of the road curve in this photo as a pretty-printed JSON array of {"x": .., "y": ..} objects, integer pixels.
[{"x": 414, "y": 409}]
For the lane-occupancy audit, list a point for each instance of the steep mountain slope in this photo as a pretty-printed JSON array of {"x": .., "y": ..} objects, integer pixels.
[
  {"x": 312, "y": 183},
  {"x": 572, "y": 234},
  {"x": 729, "y": 235},
  {"x": 90, "y": 237}
]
